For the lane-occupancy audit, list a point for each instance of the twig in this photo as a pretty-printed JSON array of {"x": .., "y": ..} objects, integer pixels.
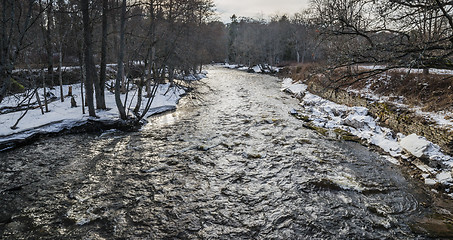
[{"x": 23, "y": 115}]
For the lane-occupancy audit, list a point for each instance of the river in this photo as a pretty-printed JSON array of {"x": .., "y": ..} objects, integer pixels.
[{"x": 229, "y": 163}]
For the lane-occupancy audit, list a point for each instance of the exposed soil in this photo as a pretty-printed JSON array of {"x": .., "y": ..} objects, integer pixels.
[{"x": 431, "y": 92}]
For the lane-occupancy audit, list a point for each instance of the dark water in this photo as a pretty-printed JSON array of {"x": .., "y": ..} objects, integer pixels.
[{"x": 230, "y": 163}]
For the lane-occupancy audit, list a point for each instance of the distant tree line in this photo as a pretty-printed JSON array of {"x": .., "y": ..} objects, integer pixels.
[{"x": 279, "y": 40}]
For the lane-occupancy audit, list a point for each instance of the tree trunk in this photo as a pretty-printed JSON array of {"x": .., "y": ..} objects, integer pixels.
[
  {"x": 5, "y": 75},
  {"x": 171, "y": 75},
  {"x": 82, "y": 82},
  {"x": 120, "y": 72},
  {"x": 426, "y": 71},
  {"x": 115, "y": 28},
  {"x": 152, "y": 50},
  {"x": 139, "y": 95},
  {"x": 98, "y": 89},
  {"x": 39, "y": 101},
  {"x": 60, "y": 75},
  {"x": 89, "y": 65},
  {"x": 49, "y": 40},
  {"x": 46, "y": 105},
  {"x": 103, "y": 72}
]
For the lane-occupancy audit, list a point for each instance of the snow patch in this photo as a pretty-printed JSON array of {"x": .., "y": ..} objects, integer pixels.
[
  {"x": 192, "y": 77},
  {"x": 415, "y": 145},
  {"x": 257, "y": 69},
  {"x": 265, "y": 68},
  {"x": 444, "y": 177},
  {"x": 293, "y": 88},
  {"x": 62, "y": 116},
  {"x": 355, "y": 120}
]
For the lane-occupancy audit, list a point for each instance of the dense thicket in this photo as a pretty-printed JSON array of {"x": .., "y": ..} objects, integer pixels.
[
  {"x": 391, "y": 33},
  {"x": 153, "y": 40},
  {"x": 149, "y": 40}
]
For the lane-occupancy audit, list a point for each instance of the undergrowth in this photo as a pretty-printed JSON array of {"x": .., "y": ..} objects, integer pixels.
[{"x": 432, "y": 92}]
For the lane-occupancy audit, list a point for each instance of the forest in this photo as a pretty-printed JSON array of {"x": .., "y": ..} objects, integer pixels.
[
  {"x": 152, "y": 41},
  {"x": 335, "y": 122},
  {"x": 155, "y": 41}
]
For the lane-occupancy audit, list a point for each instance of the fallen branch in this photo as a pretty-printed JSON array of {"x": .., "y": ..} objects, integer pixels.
[{"x": 26, "y": 111}]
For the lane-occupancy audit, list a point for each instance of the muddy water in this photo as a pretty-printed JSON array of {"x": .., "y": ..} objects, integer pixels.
[{"x": 230, "y": 163}]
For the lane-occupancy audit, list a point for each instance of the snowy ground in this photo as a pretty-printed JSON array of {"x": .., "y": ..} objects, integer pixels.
[
  {"x": 192, "y": 77},
  {"x": 61, "y": 116},
  {"x": 355, "y": 120}
]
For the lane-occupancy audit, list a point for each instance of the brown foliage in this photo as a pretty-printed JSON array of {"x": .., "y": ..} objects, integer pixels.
[{"x": 433, "y": 92}]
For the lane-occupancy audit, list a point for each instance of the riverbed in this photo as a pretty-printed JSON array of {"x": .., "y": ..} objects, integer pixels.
[{"x": 229, "y": 163}]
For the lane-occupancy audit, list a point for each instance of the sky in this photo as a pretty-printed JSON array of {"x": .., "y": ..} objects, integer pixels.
[{"x": 257, "y": 8}]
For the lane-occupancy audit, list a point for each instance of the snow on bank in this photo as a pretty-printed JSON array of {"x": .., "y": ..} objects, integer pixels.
[
  {"x": 192, "y": 77},
  {"x": 407, "y": 70},
  {"x": 256, "y": 69},
  {"x": 62, "y": 116},
  {"x": 355, "y": 120},
  {"x": 440, "y": 118}
]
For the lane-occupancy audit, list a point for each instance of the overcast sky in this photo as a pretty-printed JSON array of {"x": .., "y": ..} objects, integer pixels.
[{"x": 257, "y": 8}]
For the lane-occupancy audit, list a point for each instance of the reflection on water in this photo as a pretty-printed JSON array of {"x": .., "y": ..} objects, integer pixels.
[{"x": 234, "y": 166}]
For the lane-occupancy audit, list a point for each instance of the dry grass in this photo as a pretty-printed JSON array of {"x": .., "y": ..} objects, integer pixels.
[{"x": 433, "y": 92}]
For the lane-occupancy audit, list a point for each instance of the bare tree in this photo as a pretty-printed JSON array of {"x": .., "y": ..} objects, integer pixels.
[
  {"x": 17, "y": 18},
  {"x": 392, "y": 33},
  {"x": 90, "y": 69},
  {"x": 120, "y": 73},
  {"x": 104, "y": 42}
]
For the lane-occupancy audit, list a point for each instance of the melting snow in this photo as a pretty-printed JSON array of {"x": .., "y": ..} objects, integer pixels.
[
  {"x": 61, "y": 116},
  {"x": 416, "y": 145},
  {"x": 326, "y": 114}
]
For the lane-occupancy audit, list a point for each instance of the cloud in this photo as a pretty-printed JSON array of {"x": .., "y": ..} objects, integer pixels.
[{"x": 258, "y": 8}]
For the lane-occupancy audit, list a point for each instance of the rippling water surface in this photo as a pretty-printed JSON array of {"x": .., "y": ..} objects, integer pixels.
[{"x": 230, "y": 163}]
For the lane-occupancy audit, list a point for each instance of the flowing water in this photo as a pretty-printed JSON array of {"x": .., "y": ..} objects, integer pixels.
[{"x": 230, "y": 163}]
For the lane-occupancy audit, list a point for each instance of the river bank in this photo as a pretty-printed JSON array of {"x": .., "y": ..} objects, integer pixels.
[
  {"x": 63, "y": 117},
  {"x": 408, "y": 136},
  {"x": 232, "y": 164},
  {"x": 357, "y": 114}
]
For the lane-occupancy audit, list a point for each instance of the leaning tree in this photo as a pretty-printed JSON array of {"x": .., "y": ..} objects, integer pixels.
[{"x": 391, "y": 33}]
